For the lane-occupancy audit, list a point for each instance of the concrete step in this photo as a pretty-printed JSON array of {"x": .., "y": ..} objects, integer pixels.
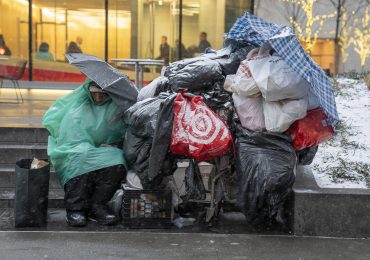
[
  {"x": 22, "y": 135},
  {"x": 56, "y": 197},
  {"x": 329, "y": 212},
  {"x": 12, "y": 152},
  {"x": 7, "y": 177}
]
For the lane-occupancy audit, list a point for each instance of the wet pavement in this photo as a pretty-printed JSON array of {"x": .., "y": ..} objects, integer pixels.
[
  {"x": 228, "y": 223},
  {"x": 150, "y": 245},
  {"x": 231, "y": 238}
]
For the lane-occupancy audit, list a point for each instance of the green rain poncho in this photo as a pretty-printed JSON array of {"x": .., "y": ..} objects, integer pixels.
[{"x": 77, "y": 129}]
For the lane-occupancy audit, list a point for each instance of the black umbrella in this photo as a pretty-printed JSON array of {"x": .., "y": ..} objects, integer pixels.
[{"x": 117, "y": 85}]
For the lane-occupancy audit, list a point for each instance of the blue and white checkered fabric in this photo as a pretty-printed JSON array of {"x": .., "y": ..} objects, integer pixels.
[{"x": 254, "y": 29}]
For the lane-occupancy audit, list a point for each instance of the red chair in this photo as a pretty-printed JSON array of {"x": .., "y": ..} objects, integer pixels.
[{"x": 15, "y": 75}]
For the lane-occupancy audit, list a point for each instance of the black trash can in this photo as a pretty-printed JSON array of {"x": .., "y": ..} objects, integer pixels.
[{"x": 31, "y": 194}]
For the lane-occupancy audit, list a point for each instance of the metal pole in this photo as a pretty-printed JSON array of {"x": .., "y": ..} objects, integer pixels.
[
  {"x": 142, "y": 75},
  {"x": 42, "y": 29},
  {"x": 30, "y": 40},
  {"x": 66, "y": 22},
  {"x": 136, "y": 74},
  {"x": 106, "y": 31},
  {"x": 180, "y": 31}
]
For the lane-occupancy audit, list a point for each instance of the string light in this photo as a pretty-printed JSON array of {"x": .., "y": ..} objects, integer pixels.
[{"x": 305, "y": 34}]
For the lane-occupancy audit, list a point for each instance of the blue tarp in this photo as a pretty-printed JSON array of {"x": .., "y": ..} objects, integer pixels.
[{"x": 254, "y": 29}]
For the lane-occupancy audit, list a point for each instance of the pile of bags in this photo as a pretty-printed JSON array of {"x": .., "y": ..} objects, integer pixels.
[{"x": 242, "y": 100}]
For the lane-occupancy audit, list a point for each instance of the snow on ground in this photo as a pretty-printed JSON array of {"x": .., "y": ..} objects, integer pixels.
[{"x": 344, "y": 161}]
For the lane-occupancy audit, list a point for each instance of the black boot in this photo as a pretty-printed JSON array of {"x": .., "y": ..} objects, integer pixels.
[
  {"x": 102, "y": 215},
  {"x": 76, "y": 200},
  {"x": 76, "y": 218}
]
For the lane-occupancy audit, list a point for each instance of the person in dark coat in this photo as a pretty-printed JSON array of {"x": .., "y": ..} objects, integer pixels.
[
  {"x": 164, "y": 50},
  {"x": 4, "y": 50},
  {"x": 73, "y": 48},
  {"x": 203, "y": 43},
  {"x": 175, "y": 52}
]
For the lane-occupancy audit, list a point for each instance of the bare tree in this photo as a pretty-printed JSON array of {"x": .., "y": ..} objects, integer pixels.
[
  {"x": 345, "y": 11},
  {"x": 293, "y": 12},
  {"x": 361, "y": 38},
  {"x": 305, "y": 30}
]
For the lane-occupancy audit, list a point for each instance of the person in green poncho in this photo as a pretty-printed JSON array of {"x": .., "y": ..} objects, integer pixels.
[{"x": 85, "y": 127}]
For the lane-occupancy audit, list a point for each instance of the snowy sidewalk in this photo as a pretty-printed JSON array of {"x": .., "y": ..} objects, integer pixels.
[{"x": 344, "y": 161}]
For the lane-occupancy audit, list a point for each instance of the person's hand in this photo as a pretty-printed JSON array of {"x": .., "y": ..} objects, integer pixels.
[{"x": 106, "y": 145}]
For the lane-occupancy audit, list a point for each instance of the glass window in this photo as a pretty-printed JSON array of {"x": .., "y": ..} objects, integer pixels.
[
  {"x": 141, "y": 29},
  {"x": 323, "y": 53},
  {"x": 61, "y": 27},
  {"x": 205, "y": 22},
  {"x": 13, "y": 36}
]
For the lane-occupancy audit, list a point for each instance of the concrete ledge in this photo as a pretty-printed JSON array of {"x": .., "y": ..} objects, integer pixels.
[{"x": 329, "y": 212}]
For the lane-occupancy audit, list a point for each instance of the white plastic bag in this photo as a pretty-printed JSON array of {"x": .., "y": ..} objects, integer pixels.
[
  {"x": 279, "y": 115},
  {"x": 276, "y": 80},
  {"x": 228, "y": 84},
  {"x": 133, "y": 181},
  {"x": 250, "y": 112},
  {"x": 244, "y": 84}
]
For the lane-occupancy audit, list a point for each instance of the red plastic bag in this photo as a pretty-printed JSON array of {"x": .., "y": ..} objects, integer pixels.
[
  {"x": 198, "y": 132},
  {"x": 311, "y": 130}
]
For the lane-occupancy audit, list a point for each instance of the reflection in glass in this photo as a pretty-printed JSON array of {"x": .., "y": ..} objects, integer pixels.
[
  {"x": 13, "y": 36},
  {"x": 137, "y": 29}
]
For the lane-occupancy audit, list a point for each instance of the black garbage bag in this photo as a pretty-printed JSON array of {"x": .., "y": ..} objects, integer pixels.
[
  {"x": 230, "y": 56},
  {"x": 136, "y": 151},
  {"x": 193, "y": 74},
  {"x": 306, "y": 155},
  {"x": 202, "y": 72},
  {"x": 148, "y": 137},
  {"x": 219, "y": 101},
  {"x": 161, "y": 140},
  {"x": 31, "y": 194},
  {"x": 194, "y": 186},
  {"x": 265, "y": 166},
  {"x": 143, "y": 115}
]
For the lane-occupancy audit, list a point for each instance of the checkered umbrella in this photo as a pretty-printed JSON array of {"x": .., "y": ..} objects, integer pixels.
[{"x": 254, "y": 29}]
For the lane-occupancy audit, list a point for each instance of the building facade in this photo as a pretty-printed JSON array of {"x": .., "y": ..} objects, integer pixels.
[{"x": 42, "y": 31}]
